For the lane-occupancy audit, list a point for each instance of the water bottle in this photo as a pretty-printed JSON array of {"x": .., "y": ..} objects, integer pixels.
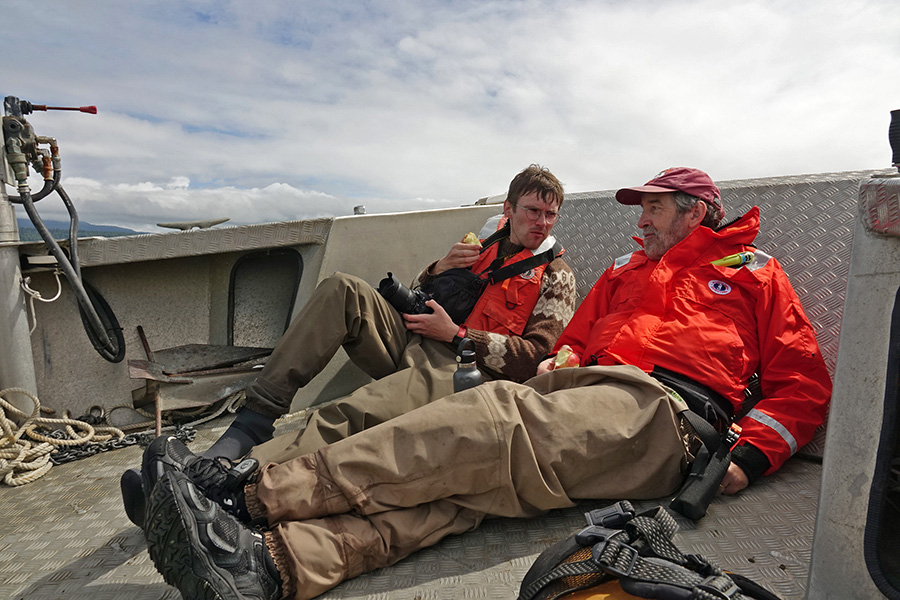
[{"x": 467, "y": 374}]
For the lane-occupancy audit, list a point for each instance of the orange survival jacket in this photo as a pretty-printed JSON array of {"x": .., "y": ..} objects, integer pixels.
[{"x": 716, "y": 325}]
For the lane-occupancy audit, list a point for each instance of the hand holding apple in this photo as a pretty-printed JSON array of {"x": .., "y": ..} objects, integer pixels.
[{"x": 566, "y": 358}]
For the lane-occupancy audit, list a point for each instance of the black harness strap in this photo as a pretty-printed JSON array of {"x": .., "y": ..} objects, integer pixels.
[
  {"x": 525, "y": 264},
  {"x": 642, "y": 556},
  {"x": 497, "y": 273},
  {"x": 495, "y": 237},
  {"x": 700, "y": 399}
]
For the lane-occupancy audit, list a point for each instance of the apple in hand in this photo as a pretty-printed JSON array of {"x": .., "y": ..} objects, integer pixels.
[
  {"x": 471, "y": 238},
  {"x": 566, "y": 358}
]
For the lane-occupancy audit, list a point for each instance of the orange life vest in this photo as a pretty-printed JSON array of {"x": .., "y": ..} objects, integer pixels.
[{"x": 505, "y": 307}]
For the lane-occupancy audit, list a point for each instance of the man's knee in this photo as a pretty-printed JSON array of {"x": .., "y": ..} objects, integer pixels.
[
  {"x": 340, "y": 283},
  {"x": 341, "y": 291}
]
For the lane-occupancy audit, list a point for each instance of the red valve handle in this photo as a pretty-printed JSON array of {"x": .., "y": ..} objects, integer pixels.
[{"x": 85, "y": 109}]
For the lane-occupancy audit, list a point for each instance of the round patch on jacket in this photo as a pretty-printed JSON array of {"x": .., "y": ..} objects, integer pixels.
[
  {"x": 528, "y": 274},
  {"x": 719, "y": 287}
]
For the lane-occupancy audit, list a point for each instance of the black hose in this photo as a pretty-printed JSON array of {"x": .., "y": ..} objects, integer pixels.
[
  {"x": 73, "y": 230},
  {"x": 894, "y": 136},
  {"x": 116, "y": 351},
  {"x": 49, "y": 186},
  {"x": 110, "y": 347}
]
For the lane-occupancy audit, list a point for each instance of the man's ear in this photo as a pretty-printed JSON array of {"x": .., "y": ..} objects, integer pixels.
[
  {"x": 698, "y": 213},
  {"x": 507, "y": 209}
]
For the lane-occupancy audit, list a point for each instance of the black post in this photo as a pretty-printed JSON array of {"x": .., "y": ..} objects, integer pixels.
[{"x": 894, "y": 137}]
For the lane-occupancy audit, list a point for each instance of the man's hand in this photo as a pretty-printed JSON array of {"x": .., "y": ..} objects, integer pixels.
[
  {"x": 437, "y": 325},
  {"x": 546, "y": 365},
  {"x": 460, "y": 256},
  {"x": 734, "y": 481}
]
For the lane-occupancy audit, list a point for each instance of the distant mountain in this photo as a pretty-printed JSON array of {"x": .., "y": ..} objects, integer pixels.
[{"x": 60, "y": 230}]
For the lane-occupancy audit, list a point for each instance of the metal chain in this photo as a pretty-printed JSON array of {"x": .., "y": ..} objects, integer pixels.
[
  {"x": 22, "y": 462},
  {"x": 143, "y": 438},
  {"x": 80, "y": 438}
]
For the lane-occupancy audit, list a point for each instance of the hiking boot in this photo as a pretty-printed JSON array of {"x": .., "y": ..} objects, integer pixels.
[
  {"x": 136, "y": 485},
  {"x": 133, "y": 497},
  {"x": 218, "y": 478},
  {"x": 202, "y": 550}
]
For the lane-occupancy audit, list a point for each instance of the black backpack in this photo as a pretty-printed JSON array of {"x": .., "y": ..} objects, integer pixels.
[{"x": 621, "y": 554}]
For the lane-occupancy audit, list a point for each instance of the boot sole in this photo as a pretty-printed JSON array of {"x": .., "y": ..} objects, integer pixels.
[{"x": 173, "y": 542}]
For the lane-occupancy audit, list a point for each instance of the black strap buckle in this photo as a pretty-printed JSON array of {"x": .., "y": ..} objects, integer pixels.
[
  {"x": 615, "y": 551},
  {"x": 709, "y": 585},
  {"x": 594, "y": 534},
  {"x": 613, "y": 516}
]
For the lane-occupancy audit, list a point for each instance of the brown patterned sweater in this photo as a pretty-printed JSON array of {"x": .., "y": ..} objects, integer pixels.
[{"x": 516, "y": 357}]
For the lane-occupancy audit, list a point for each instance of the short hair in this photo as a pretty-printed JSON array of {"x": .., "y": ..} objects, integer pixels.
[
  {"x": 684, "y": 202},
  {"x": 536, "y": 178}
]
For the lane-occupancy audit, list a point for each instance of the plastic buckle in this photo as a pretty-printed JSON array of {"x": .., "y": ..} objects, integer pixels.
[
  {"x": 613, "y": 516},
  {"x": 607, "y": 566},
  {"x": 594, "y": 534},
  {"x": 707, "y": 586}
]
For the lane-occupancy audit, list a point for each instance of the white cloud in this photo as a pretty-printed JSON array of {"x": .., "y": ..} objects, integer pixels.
[{"x": 287, "y": 110}]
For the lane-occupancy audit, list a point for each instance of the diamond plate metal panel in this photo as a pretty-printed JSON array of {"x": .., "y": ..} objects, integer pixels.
[{"x": 880, "y": 205}]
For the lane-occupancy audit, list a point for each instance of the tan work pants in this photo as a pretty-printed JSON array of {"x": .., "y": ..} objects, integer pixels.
[
  {"x": 409, "y": 370},
  {"x": 504, "y": 449},
  {"x": 343, "y": 311},
  {"x": 424, "y": 374}
]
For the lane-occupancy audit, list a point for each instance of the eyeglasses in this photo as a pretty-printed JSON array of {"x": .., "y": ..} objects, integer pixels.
[{"x": 534, "y": 214}]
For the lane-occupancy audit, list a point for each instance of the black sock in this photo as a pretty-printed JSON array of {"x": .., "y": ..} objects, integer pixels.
[{"x": 248, "y": 429}]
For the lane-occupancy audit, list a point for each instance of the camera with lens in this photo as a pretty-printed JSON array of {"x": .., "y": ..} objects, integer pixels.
[{"x": 405, "y": 300}]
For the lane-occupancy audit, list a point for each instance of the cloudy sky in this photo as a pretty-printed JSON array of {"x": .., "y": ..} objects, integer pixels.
[{"x": 278, "y": 109}]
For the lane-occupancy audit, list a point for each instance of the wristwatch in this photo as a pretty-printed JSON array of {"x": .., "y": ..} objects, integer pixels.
[{"x": 463, "y": 332}]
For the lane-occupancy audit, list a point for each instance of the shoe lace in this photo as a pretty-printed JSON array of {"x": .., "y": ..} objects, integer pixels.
[
  {"x": 208, "y": 472},
  {"x": 215, "y": 478}
]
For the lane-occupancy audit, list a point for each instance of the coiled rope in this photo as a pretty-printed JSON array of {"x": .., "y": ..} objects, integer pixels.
[
  {"x": 21, "y": 460},
  {"x": 25, "y": 453}
]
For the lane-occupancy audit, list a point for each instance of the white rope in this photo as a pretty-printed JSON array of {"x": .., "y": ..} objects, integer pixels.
[
  {"x": 17, "y": 455},
  {"x": 36, "y": 295},
  {"x": 22, "y": 461}
]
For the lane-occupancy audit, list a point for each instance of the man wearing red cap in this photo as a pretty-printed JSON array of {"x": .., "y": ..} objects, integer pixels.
[
  {"x": 699, "y": 305},
  {"x": 666, "y": 340}
]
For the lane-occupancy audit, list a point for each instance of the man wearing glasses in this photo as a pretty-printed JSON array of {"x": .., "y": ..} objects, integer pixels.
[{"x": 412, "y": 358}]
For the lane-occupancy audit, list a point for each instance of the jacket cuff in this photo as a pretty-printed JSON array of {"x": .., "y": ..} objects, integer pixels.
[{"x": 751, "y": 459}]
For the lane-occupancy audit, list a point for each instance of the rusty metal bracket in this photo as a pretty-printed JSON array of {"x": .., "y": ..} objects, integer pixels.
[{"x": 192, "y": 375}]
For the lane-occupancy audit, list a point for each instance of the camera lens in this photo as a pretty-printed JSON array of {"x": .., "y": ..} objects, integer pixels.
[{"x": 398, "y": 295}]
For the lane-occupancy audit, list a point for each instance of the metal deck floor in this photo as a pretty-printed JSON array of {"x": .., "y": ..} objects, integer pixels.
[{"x": 66, "y": 536}]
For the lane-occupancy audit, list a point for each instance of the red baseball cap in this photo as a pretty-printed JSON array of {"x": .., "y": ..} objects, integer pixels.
[{"x": 677, "y": 179}]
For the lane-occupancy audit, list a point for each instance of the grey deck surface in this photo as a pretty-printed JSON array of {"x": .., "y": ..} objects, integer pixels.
[{"x": 66, "y": 536}]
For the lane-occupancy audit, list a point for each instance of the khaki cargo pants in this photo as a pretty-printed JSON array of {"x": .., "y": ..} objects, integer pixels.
[
  {"x": 500, "y": 449},
  {"x": 409, "y": 371}
]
